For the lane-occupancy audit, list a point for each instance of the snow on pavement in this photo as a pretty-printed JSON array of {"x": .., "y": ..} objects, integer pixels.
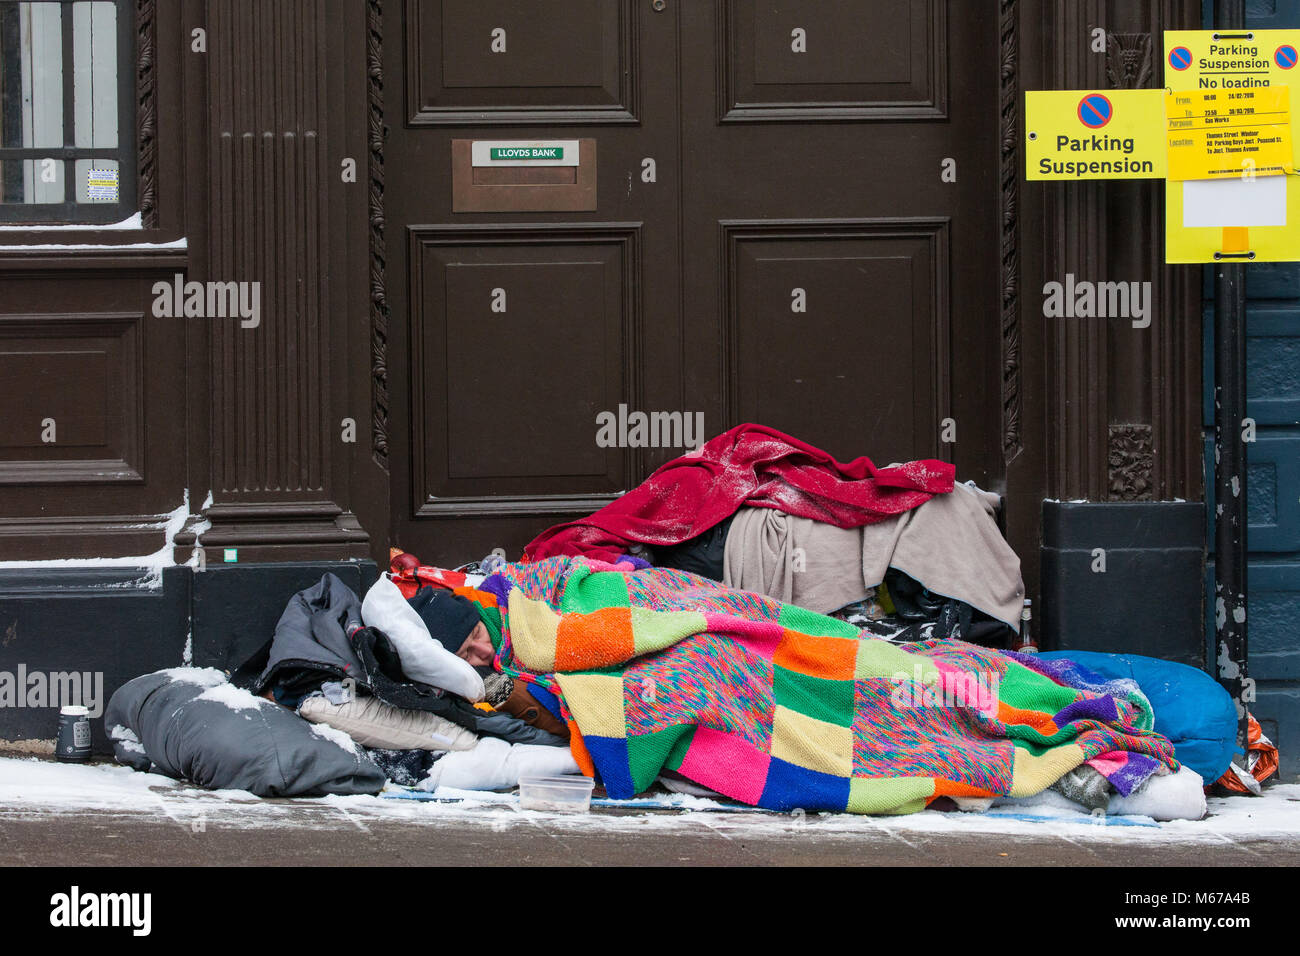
[{"x": 32, "y": 788}]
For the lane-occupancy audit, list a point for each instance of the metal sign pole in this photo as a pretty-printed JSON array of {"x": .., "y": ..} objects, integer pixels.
[{"x": 1230, "y": 453}]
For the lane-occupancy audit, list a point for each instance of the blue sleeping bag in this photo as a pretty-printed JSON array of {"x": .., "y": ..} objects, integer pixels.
[{"x": 1191, "y": 708}]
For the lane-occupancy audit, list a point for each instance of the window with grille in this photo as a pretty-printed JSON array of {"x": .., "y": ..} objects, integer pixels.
[{"x": 67, "y": 137}]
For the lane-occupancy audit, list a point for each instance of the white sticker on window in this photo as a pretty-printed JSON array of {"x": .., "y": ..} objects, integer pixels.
[{"x": 101, "y": 185}]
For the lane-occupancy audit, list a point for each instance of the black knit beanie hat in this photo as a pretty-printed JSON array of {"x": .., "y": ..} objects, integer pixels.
[{"x": 449, "y": 617}]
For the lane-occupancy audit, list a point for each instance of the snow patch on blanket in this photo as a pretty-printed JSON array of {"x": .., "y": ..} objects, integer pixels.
[
  {"x": 203, "y": 676},
  {"x": 125, "y": 738},
  {"x": 236, "y": 698},
  {"x": 335, "y": 736},
  {"x": 1166, "y": 796},
  {"x": 239, "y": 699}
]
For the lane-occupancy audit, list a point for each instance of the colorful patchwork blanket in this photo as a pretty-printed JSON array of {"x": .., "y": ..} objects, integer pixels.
[{"x": 781, "y": 708}]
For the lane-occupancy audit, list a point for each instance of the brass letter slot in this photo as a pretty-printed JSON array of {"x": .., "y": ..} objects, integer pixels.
[{"x": 502, "y": 178}]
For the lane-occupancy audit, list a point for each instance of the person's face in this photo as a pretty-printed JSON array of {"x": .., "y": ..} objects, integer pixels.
[{"x": 477, "y": 649}]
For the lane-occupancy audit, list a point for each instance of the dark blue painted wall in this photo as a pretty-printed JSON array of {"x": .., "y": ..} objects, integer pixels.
[{"x": 1273, "y": 474}]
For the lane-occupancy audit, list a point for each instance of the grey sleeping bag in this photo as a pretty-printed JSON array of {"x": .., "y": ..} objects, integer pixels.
[{"x": 191, "y": 724}]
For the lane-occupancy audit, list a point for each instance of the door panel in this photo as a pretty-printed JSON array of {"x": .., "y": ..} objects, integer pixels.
[
  {"x": 538, "y": 303},
  {"x": 500, "y": 61},
  {"x": 807, "y": 314},
  {"x": 721, "y": 189},
  {"x": 832, "y": 59},
  {"x": 94, "y": 432}
]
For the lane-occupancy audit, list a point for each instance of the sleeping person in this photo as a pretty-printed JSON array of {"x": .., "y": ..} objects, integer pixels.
[{"x": 455, "y": 624}]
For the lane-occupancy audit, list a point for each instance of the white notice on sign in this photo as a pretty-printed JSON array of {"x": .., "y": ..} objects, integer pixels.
[{"x": 1235, "y": 202}]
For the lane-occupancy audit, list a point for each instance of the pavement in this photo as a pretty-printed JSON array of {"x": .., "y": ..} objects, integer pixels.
[
  {"x": 105, "y": 815},
  {"x": 332, "y": 838}
]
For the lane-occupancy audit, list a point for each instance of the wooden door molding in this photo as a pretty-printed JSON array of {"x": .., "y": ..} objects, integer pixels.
[
  {"x": 146, "y": 116},
  {"x": 1009, "y": 172},
  {"x": 376, "y": 138},
  {"x": 279, "y": 123},
  {"x": 1084, "y": 416},
  {"x": 1122, "y": 402}
]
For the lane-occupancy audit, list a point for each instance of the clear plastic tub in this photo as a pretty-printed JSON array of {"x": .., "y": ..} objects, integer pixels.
[{"x": 568, "y": 794}]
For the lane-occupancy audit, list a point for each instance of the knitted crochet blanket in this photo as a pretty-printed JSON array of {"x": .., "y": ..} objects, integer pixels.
[{"x": 781, "y": 708}]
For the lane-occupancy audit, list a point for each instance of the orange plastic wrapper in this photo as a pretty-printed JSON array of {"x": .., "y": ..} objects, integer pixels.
[
  {"x": 410, "y": 575},
  {"x": 1261, "y": 762}
]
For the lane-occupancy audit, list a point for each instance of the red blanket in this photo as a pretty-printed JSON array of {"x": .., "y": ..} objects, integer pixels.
[{"x": 749, "y": 465}]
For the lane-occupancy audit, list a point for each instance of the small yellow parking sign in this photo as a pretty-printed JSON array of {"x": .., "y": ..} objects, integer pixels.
[{"x": 1099, "y": 134}]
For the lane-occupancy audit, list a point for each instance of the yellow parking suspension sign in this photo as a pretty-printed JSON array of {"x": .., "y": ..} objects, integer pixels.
[
  {"x": 1218, "y": 133},
  {"x": 1211, "y": 211},
  {"x": 1100, "y": 134}
]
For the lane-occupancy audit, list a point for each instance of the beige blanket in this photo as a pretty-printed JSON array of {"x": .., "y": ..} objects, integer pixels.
[{"x": 950, "y": 544}]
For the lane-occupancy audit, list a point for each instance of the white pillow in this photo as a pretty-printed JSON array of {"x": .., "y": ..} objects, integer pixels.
[
  {"x": 372, "y": 723},
  {"x": 423, "y": 659}
]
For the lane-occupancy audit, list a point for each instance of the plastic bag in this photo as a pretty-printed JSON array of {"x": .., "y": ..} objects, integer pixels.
[{"x": 1261, "y": 763}]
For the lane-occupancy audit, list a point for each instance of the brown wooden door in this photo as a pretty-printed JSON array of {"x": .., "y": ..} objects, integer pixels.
[{"x": 771, "y": 241}]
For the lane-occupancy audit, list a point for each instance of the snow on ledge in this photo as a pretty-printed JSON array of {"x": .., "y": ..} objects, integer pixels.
[
  {"x": 135, "y": 222},
  {"x": 151, "y": 565},
  {"x": 182, "y": 243}
]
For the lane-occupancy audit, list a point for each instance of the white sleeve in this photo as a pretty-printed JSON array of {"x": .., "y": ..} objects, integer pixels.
[{"x": 496, "y": 765}]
